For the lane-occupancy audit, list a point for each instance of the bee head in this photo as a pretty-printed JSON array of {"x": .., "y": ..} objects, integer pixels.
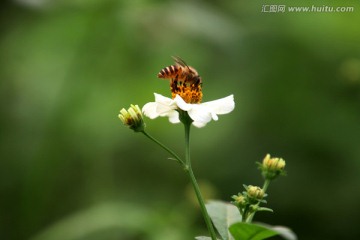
[{"x": 197, "y": 80}]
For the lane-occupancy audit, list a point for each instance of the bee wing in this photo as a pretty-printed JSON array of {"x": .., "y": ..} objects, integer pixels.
[{"x": 179, "y": 61}]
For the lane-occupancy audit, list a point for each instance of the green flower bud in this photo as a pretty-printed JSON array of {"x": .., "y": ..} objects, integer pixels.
[
  {"x": 132, "y": 118},
  {"x": 273, "y": 164},
  {"x": 239, "y": 200},
  {"x": 255, "y": 192},
  {"x": 272, "y": 167}
]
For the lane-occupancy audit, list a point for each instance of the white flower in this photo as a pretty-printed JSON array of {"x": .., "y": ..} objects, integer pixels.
[{"x": 200, "y": 113}]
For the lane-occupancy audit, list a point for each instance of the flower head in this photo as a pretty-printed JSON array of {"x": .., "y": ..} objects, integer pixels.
[
  {"x": 272, "y": 167},
  {"x": 200, "y": 113},
  {"x": 185, "y": 104},
  {"x": 239, "y": 200},
  {"x": 255, "y": 192},
  {"x": 132, "y": 118}
]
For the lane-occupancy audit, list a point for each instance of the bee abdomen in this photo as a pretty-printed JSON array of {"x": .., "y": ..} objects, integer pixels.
[{"x": 169, "y": 72}]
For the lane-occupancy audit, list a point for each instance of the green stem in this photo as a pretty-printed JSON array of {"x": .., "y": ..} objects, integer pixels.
[
  {"x": 189, "y": 171},
  {"x": 245, "y": 214},
  {"x": 177, "y": 158},
  {"x": 194, "y": 183},
  {"x": 265, "y": 187}
]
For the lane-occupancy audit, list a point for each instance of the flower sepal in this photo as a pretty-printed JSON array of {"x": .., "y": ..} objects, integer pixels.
[
  {"x": 184, "y": 117},
  {"x": 263, "y": 209}
]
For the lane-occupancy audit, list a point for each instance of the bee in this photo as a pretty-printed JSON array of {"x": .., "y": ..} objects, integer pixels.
[{"x": 180, "y": 73}]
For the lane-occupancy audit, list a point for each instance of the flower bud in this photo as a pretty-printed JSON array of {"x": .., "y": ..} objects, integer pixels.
[
  {"x": 255, "y": 192},
  {"x": 272, "y": 167},
  {"x": 132, "y": 118},
  {"x": 239, "y": 200},
  {"x": 273, "y": 164}
]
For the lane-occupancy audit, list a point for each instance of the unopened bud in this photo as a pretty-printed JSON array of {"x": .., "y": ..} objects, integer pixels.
[
  {"x": 239, "y": 199},
  {"x": 272, "y": 167},
  {"x": 273, "y": 164},
  {"x": 255, "y": 192},
  {"x": 132, "y": 118}
]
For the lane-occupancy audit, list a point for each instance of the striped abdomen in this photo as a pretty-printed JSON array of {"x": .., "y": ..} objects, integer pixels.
[{"x": 170, "y": 72}]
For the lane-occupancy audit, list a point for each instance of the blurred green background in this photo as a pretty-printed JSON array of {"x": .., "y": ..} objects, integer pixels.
[{"x": 70, "y": 170}]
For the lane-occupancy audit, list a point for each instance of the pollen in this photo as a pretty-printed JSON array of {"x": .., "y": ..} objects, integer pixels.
[{"x": 190, "y": 93}]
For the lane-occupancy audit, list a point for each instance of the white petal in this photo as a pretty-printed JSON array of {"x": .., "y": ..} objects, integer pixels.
[
  {"x": 182, "y": 104},
  {"x": 221, "y": 106},
  {"x": 165, "y": 105},
  {"x": 149, "y": 110},
  {"x": 199, "y": 124},
  {"x": 161, "y": 99},
  {"x": 162, "y": 106},
  {"x": 200, "y": 114},
  {"x": 174, "y": 117}
]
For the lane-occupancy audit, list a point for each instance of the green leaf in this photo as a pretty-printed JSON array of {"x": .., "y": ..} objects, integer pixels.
[
  {"x": 284, "y": 232},
  {"x": 99, "y": 218},
  {"x": 223, "y": 215},
  {"x": 247, "y": 231}
]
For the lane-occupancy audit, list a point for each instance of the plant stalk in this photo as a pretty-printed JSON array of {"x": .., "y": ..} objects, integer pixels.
[
  {"x": 194, "y": 183},
  {"x": 189, "y": 171},
  {"x": 265, "y": 187},
  {"x": 177, "y": 158}
]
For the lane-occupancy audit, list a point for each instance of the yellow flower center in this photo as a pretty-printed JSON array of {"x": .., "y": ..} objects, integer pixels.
[{"x": 190, "y": 92}]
